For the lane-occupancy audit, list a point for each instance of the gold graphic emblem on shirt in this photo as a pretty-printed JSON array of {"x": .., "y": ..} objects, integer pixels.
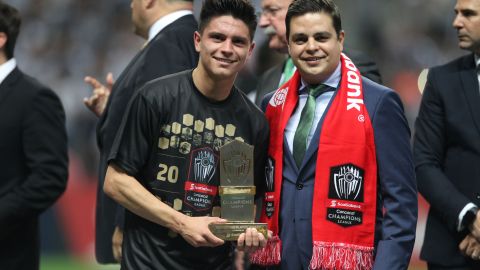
[
  {"x": 199, "y": 125},
  {"x": 188, "y": 119},
  {"x": 219, "y": 131},
  {"x": 187, "y": 134},
  {"x": 230, "y": 130},
  {"x": 185, "y": 148},
  {"x": 209, "y": 123},
  {"x": 191, "y": 132},
  {"x": 176, "y": 128},
  {"x": 163, "y": 143},
  {"x": 197, "y": 140},
  {"x": 166, "y": 130},
  {"x": 174, "y": 142}
]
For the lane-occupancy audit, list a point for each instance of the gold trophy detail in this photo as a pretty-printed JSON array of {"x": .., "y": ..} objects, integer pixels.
[{"x": 237, "y": 192}]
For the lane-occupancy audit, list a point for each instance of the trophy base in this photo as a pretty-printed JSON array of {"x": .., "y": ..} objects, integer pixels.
[{"x": 231, "y": 230}]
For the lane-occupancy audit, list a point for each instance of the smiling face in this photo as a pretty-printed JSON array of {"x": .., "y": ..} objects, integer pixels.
[
  {"x": 314, "y": 46},
  {"x": 224, "y": 46},
  {"x": 467, "y": 23}
]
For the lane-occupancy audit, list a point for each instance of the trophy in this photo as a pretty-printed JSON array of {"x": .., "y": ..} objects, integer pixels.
[{"x": 237, "y": 192}]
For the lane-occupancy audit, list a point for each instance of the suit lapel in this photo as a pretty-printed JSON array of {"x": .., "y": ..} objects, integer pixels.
[
  {"x": 6, "y": 86},
  {"x": 469, "y": 82},
  {"x": 288, "y": 156}
]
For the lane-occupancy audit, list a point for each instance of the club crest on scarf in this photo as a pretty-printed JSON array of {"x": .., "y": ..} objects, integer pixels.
[
  {"x": 279, "y": 97},
  {"x": 346, "y": 183}
]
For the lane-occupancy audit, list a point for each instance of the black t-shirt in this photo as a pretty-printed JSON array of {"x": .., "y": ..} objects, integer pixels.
[{"x": 169, "y": 141}]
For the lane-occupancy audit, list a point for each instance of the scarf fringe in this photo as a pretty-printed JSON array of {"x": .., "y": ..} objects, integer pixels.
[
  {"x": 338, "y": 256},
  {"x": 270, "y": 254}
]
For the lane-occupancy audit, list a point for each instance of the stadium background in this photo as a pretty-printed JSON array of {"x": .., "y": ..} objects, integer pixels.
[{"x": 62, "y": 41}]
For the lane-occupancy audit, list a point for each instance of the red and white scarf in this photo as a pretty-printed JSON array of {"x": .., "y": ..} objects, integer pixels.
[{"x": 345, "y": 189}]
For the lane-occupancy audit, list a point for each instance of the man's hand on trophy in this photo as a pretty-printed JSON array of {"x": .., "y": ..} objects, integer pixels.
[
  {"x": 196, "y": 232},
  {"x": 470, "y": 247},
  {"x": 251, "y": 240},
  {"x": 475, "y": 227}
]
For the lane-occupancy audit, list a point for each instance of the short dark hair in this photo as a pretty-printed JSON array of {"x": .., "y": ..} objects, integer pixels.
[
  {"x": 302, "y": 7},
  {"x": 239, "y": 9},
  {"x": 10, "y": 25}
]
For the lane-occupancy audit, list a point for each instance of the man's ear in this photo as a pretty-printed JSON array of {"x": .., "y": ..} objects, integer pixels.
[
  {"x": 250, "y": 50},
  {"x": 3, "y": 40},
  {"x": 341, "y": 39},
  {"x": 147, "y": 4},
  {"x": 197, "y": 39}
]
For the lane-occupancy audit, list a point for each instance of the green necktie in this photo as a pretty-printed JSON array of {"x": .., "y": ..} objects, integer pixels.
[{"x": 305, "y": 124}]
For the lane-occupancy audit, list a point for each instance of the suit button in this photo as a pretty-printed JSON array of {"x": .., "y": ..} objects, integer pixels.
[
  {"x": 477, "y": 195},
  {"x": 299, "y": 186}
]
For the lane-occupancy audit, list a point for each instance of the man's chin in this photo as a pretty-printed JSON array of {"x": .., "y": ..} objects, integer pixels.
[{"x": 465, "y": 46}]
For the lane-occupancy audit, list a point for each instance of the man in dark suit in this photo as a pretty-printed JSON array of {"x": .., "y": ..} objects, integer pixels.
[
  {"x": 447, "y": 151},
  {"x": 33, "y": 152},
  {"x": 343, "y": 192},
  {"x": 273, "y": 21},
  {"x": 168, "y": 27}
]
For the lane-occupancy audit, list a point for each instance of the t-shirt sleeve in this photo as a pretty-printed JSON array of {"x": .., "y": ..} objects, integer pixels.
[{"x": 135, "y": 137}]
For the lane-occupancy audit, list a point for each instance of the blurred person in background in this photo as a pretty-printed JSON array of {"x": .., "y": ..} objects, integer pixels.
[
  {"x": 447, "y": 151},
  {"x": 33, "y": 152},
  {"x": 272, "y": 19},
  {"x": 168, "y": 27},
  {"x": 164, "y": 166},
  {"x": 342, "y": 192}
]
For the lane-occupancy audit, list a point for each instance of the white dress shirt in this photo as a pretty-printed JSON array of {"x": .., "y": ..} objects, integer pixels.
[
  {"x": 163, "y": 22},
  {"x": 6, "y": 68},
  {"x": 321, "y": 105}
]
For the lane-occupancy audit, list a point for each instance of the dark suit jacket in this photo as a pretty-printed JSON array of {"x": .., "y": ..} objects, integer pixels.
[
  {"x": 270, "y": 79},
  {"x": 447, "y": 155},
  {"x": 33, "y": 165},
  {"x": 172, "y": 50},
  {"x": 397, "y": 192}
]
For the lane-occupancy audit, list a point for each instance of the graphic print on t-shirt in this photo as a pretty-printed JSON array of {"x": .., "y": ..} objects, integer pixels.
[
  {"x": 201, "y": 187},
  {"x": 194, "y": 133},
  {"x": 193, "y": 143}
]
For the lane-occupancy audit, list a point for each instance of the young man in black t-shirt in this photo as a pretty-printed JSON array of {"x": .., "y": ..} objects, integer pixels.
[{"x": 164, "y": 165}]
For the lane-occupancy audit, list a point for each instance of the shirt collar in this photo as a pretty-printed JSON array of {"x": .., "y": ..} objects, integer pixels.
[
  {"x": 163, "y": 22},
  {"x": 331, "y": 81},
  {"x": 6, "y": 68},
  {"x": 477, "y": 61}
]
